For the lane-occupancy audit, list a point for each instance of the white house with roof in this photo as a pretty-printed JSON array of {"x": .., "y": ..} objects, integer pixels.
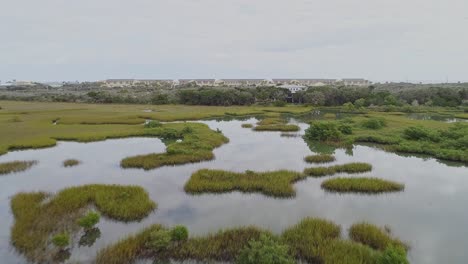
[{"x": 293, "y": 88}]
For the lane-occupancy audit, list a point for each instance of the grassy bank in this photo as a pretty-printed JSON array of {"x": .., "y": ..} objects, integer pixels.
[
  {"x": 274, "y": 183},
  {"x": 15, "y": 166},
  {"x": 355, "y": 167},
  {"x": 395, "y": 132},
  {"x": 361, "y": 185},
  {"x": 37, "y": 125},
  {"x": 313, "y": 240},
  {"x": 39, "y": 215}
]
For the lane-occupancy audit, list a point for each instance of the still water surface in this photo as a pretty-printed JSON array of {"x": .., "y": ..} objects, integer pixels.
[{"x": 430, "y": 214}]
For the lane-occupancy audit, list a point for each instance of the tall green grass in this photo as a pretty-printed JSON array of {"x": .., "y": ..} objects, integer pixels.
[
  {"x": 15, "y": 166},
  {"x": 361, "y": 185},
  {"x": 374, "y": 237},
  {"x": 274, "y": 183},
  {"x": 321, "y": 158},
  {"x": 275, "y": 124},
  {"x": 356, "y": 167},
  {"x": 39, "y": 216},
  {"x": 313, "y": 240}
]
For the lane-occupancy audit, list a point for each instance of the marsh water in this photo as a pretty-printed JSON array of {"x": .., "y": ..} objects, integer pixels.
[{"x": 430, "y": 214}]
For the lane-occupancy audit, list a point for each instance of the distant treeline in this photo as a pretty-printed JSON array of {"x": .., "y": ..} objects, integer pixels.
[{"x": 226, "y": 96}]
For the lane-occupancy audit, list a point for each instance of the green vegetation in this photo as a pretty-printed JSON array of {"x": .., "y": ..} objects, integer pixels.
[
  {"x": 313, "y": 240},
  {"x": 247, "y": 125},
  {"x": 361, "y": 185},
  {"x": 71, "y": 163},
  {"x": 374, "y": 123},
  {"x": 321, "y": 158},
  {"x": 265, "y": 250},
  {"x": 274, "y": 183},
  {"x": 275, "y": 124},
  {"x": 179, "y": 233},
  {"x": 393, "y": 255},
  {"x": 197, "y": 144},
  {"x": 356, "y": 167},
  {"x": 15, "y": 166},
  {"x": 93, "y": 122},
  {"x": 374, "y": 236},
  {"x": 153, "y": 124},
  {"x": 61, "y": 240},
  {"x": 323, "y": 131},
  {"x": 39, "y": 215},
  {"x": 89, "y": 220}
]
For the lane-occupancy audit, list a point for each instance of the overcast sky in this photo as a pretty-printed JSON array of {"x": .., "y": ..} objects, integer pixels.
[{"x": 98, "y": 39}]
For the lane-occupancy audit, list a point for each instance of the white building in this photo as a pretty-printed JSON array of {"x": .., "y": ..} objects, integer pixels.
[{"x": 293, "y": 88}]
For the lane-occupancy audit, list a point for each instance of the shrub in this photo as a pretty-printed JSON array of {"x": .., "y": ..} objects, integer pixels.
[
  {"x": 153, "y": 124},
  {"x": 393, "y": 255},
  {"x": 265, "y": 250},
  {"x": 345, "y": 129},
  {"x": 374, "y": 123},
  {"x": 323, "y": 131},
  {"x": 187, "y": 130},
  {"x": 179, "y": 233},
  {"x": 61, "y": 240},
  {"x": 421, "y": 133},
  {"x": 159, "y": 240},
  {"x": 279, "y": 103},
  {"x": 89, "y": 220}
]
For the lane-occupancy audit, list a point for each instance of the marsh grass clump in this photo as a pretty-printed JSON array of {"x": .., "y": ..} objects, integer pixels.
[
  {"x": 313, "y": 240},
  {"x": 61, "y": 240},
  {"x": 274, "y": 183},
  {"x": 89, "y": 220},
  {"x": 15, "y": 166},
  {"x": 321, "y": 158},
  {"x": 153, "y": 124},
  {"x": 197, "y": 144},
  {"x": 265, "y": 250},
  {"x": 275, "y": 124},
  {"x": 71, "y": 162},
  {"x": 361, "y": 185},
  {"x": 374, "y": 237},
  {"x": 247, "y": 125},
  {"x": 355, "y": 167},
  {"x": 38, "y": 215}
]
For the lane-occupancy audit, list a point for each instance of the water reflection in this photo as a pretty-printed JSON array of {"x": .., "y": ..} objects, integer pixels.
[{"x": 429, "y": 214}]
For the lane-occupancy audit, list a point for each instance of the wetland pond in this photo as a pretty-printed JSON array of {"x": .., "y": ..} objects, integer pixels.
[{"x": 429, "y": 214}]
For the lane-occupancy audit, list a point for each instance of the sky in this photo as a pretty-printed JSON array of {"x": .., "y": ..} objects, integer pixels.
[{"x": 380, "y": 40}]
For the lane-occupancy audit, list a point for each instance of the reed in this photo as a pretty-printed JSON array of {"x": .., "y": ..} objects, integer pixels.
[
  {"x": 40, "y": 215},
  {"x": 374, "y": 236},
  {"x": 356, "y": 167},
  {"x": 361, "y": 185},
  {"x": 274, "y": 183},
  {"x": 321, "y": 158},
  {"x": 15, "y": 166},
  {"x": 247, "y": 125},
  {"x": 284, "y": 128}
]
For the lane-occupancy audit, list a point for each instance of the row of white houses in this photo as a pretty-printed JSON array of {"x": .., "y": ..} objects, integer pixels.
[{"x": 235, "y": 82}]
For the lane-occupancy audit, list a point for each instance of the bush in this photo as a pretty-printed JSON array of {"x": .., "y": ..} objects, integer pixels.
[
  {"x": 61, "y": 240},
  {"x": 374, "y": 123},
  {"x": 265, "y": 250},
  {"x": 421, "y": 133},
  {"x": 279, "y": 103},
  {"x": 159, "y": 239},
  {"x": 153, "y": 124},
  {"x": 393, "y": 255},
  {"x": 179, "y": 233},
  {"x": 323, "y": 131},
  {"x": 345, "y": 129},
  {"x": 89, "y": 220},
  {"x": 187, "y": 130}
]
